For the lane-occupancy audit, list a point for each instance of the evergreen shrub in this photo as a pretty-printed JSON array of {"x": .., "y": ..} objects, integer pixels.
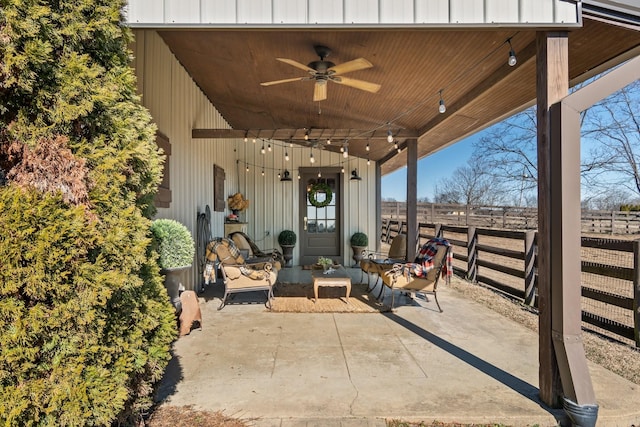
[
  {"x": 287, "y": 238},
  {"x": 359, "y": 239},
  {"x": 85, "y": 323},
  {"x": 174, "y": 243}
]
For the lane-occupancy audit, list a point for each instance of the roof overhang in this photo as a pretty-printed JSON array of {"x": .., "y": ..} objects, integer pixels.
[{"x": 415, "y": 64}]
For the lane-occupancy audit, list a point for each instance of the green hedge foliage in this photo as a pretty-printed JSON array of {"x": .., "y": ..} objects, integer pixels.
[
  {"x": 174, "y": 243},
  {"x": 630, "y": 208},
  {"x": 85, "y": 322}
]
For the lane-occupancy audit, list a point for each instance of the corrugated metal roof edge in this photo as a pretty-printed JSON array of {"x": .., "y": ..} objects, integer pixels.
[{"x": 623, "y": 11}]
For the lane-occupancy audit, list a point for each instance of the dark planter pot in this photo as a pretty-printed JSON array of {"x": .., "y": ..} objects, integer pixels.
[
  {"x": 357, "y": 254},
  {"x": 287, "y": 253},
  {"x": 172, "y": 282}
]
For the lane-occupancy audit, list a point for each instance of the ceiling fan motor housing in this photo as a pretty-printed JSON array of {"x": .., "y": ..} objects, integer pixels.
[{"x": 321, "y": 66}]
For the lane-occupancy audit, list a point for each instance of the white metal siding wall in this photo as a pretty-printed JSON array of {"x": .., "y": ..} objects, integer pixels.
[
  {"x": 347, "y": 12},
  {"x": 274, "y": 204}
]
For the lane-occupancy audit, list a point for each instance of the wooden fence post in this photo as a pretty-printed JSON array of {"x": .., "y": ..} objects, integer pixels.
[
  {"x": 613, "y": 221},
  {"x": 472, "y": 254},
  {"x": 529, "y": 262},
  {"x": 636, "y": 291},
  {"x": 504, "y": 217}
]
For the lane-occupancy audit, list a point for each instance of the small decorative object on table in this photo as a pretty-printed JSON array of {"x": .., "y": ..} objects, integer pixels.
[
  {"x": 326, "y": 264},
  {"x": 237, "y": 203}
]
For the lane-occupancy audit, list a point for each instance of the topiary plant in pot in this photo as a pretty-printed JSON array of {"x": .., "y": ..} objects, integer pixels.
[
  {"x": 359, "y": 242},
  {"x": 176, "y": 249},
  {"x": 287, "y": 240}
]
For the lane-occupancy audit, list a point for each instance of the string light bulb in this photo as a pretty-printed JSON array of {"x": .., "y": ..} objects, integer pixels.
[
  {"x": 311, "y": 159},
  {"x": 389, "y": 136},
  {"x": 368, "y": 146},
  {"x": 245, "y": 137},
  {"x": 345, "y": 154},
  {"x": 328, "y": 141},
  {"x": 269, "y": 147},
  {"x": 262, "y": 149},
  {"x": 319, "y": 174},
  {"x": 306, "y": 135},
  {"x": 286, "y": 156},
  {"x": 368, "y": 161},
  {"x": 512, "y": 55},
  {"x": 441, "y": 107}
]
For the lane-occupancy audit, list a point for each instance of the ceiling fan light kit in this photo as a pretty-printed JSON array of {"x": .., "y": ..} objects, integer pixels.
[{"x": 324, "y": 71}]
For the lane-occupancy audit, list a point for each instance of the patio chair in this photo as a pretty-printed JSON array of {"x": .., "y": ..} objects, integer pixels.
[
  {"x": 421, "y": 276},
  {"x": 377, "y": 262},
  {"x": 237, "y": 275},
  {"x": 253, "y": 253}
]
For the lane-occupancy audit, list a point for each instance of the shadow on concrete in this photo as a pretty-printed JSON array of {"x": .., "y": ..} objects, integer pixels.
[
  {"x": 173, "y": 374},
  {"x": 516, "y": 384}
]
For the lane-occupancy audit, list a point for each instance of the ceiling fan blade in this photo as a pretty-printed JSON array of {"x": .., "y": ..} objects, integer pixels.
[
  {"x": 276, "y": 82},
  {"x": 349, "y": 66},
  {"x": 358, "y": 84},
  {"x": 297, "y": 64},
  {"x": 320, "y": 90}
]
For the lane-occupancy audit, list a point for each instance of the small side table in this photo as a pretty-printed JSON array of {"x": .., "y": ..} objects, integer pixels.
[
  {"x": 232, "y": 227},
  {"x": 338, "y": 277}
]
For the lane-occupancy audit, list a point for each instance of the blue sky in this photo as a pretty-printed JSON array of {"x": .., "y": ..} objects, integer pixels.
[{"x": 431, "y": 169}]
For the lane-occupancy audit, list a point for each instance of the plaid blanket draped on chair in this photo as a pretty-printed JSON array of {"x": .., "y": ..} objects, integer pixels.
[
  {"x": 224, "y": 251},
  {"x": 423, "y": 262}
]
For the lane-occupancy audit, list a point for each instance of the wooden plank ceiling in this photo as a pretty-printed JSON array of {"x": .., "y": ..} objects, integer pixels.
[{"x": 411, "y": 65}]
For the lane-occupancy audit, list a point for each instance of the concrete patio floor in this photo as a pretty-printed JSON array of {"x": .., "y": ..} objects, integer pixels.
[{"x": 467, "y": 364}]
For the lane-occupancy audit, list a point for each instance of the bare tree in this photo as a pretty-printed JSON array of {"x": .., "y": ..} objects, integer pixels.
[
  {"x": 471, "y": 185},
  {"x": 508, "y": 150},
  {"x": 611, "y": 128}
]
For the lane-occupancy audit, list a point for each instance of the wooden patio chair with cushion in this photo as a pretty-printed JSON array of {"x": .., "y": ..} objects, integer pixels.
[
  {"x": 237, "y": 275},
  {"x": 254, "y": 254},
  {"x": 377, "y": 263},
  {"x": 421, "y": 276}
]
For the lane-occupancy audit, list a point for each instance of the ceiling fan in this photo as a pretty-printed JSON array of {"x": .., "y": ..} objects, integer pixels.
[{"x": 323, "y": 71}]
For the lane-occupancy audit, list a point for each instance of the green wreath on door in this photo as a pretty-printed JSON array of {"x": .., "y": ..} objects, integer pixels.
[{"x": 320, "y": 188}]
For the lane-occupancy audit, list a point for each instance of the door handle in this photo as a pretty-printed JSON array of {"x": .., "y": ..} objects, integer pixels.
[{"x": 305, "y": 223}]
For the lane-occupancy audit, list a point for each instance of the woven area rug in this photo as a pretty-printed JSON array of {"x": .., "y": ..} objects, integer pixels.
[{"x": 298, "y": 298}]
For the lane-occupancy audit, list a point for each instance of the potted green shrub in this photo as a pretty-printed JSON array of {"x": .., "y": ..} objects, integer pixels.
[
  {"x": 176, "y": 249},
  {"x": 359, "y": 242},
  {"x": 287, "y": 240}
]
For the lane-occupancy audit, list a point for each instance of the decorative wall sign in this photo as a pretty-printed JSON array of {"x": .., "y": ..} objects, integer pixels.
[{"x": 218, "y": 188}]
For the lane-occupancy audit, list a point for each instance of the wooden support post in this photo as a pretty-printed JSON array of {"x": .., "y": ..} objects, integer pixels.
[
  {"x": 529, "y": 270},
  {"x": 552, "y": 85},
  {"x": 437, "y": 230},
  {"x": 412, "y": 196},
  {"x": 472, "y": 254}
]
